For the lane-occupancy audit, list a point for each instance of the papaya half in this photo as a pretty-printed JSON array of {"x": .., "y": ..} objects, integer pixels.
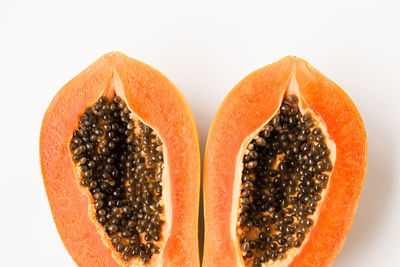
[
  {"x": 283, "y": 170},
  {"x": 120, "y": 161}
]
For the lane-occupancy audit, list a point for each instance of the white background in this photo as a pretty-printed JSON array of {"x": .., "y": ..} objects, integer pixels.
[{"x": 205, "y": 48}]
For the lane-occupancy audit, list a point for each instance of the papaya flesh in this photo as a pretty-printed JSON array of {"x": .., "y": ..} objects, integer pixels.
[
  {"x": 283, "y": 170},
  {"x": 120, "y": 162}
]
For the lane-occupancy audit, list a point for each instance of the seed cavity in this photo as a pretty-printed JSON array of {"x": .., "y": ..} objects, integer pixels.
[
  {"x": 121, "y": 162},
  {"x": 286, "y": 167}
]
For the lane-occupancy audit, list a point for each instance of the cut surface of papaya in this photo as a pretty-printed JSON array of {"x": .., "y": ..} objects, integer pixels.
[
  {"x": 283, "y": 171},
  {"x": 120, "y": 162}
]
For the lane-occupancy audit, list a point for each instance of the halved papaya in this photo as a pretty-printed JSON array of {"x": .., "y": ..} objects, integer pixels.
[
  {"x": 120, "y": 161},
  {"x": 283, "y": 171}
]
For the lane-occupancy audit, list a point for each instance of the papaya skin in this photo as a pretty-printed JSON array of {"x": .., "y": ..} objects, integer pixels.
[
  {"x": 159, "y": 104},
  {"x": 248, "y": 106}
]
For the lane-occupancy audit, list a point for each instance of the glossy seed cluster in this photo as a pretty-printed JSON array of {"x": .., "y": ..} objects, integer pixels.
[
  {"x": 286, "y": 167},
  {"x": 121, "y": 161}
]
